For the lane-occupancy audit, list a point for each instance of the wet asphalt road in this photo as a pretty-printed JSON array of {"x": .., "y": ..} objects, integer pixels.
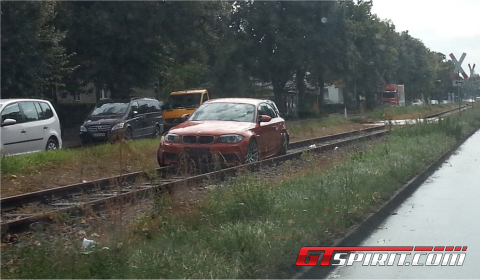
[{"x": 444, "y": 211}]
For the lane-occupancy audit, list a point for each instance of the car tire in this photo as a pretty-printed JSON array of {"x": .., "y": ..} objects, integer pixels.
[
  {"x": 52, "y": 144},
  {"x": 156, "y": 131},
  {"x": 252, "y": 154},
  {"x": 160, "y": 161},
  {"x": 128, "y": 134},
  {"x": 284, "y": 147}
]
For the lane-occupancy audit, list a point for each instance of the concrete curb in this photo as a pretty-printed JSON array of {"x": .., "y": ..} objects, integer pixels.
[{"x": 363, "y": 230}]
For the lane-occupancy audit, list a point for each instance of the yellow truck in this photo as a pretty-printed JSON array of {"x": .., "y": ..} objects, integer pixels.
[{"x": 182, "y": 102}]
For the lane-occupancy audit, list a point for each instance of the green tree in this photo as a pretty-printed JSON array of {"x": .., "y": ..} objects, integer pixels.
[
  {"x": 122, "y": 45},
  {"x": 33, "y": 60},
  {"x": 267, "y": 33}
]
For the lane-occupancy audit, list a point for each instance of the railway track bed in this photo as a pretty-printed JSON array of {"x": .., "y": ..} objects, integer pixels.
[
  {"x": 21, "y": 211},
  {"x": 18, "y": 212}
]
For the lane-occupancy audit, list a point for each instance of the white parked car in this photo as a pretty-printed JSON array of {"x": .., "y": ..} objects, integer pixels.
[
  {"x": 417, "y": 102},
  {"x": 28, "y": 125},
  {"x": 433, "y": 102}
]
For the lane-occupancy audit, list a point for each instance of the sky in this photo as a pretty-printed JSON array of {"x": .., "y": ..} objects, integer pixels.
[{"x": 444, "y": 26}]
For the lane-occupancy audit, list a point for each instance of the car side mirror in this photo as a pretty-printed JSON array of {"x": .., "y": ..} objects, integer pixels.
[
  {"x": 265, "y": 118},
  {"x": 185, "y": 117},
  {"x": 8, "y": 122}
]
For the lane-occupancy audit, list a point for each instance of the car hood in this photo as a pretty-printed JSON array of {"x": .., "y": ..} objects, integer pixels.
[
  {"x": 101, "y": 120},
  {"x": 211, "y": 127}
]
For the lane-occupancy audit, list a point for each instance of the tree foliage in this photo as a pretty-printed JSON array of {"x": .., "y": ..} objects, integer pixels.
[
  {"x": 33, "y": 57},
  {"x": 229, "y": 47}
]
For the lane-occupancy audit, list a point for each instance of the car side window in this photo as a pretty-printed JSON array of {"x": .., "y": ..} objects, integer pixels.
[
  {"x": 265, "y": 109},
  {"x": 41, "y": 115},
  {"x": 274, "y": 106},
  {"x": 273, "y": 112},
  {"x": 12, "y": 111},
  {"x": 143, "y": 107},
  {"x": 29, "y": 111},
  {"x": 155, "y": 106},
  {"x": 47, "y": 111},
  {"x": 134, "y": 107}
]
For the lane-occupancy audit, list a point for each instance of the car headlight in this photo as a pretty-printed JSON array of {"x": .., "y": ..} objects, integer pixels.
[
  {"x": 172, "y": 137},
  {"x": 83, "y": 128},
  {"x": 230, "y": 138},
  {"x": 118, "y": 126}
]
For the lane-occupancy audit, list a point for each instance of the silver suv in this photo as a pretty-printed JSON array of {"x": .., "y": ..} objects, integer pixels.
[{"x": 28, "y": 125}]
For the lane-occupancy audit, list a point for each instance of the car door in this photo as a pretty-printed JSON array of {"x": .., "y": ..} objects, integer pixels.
[
  {"x": 145, "y": 126},
  {"x": 134, "y": 120},
  {"x": 35, "y": 130},
  {"x": 155, "y": 115},
  {"x": 49, "y": 123},
  {"x": 13, "y": 136},
  {"x": 270, "y": 136}
]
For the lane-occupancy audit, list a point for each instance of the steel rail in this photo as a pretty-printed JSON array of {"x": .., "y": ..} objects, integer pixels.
[
  {"x": 465, "y": 107},
  {"x": 90, "y": 190}
]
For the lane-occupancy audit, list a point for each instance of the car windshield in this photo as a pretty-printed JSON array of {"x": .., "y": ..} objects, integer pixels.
[
  {"x": 183, "y": 101},
  {"x": 110, "y": 109},
  {"x": 224, "y": 112},
  {"x": 389, "y": 94}
]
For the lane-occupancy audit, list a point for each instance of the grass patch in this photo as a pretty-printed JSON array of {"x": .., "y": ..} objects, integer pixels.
[
  {"x": 250, "y": 227},
  {"x": 35, "y": 161},
  {"x": 38, "y": 171},
  {"x": 42, "y": 170},
  {"x": 301, "y": 130},
  {"x": 408, "y": 112}
]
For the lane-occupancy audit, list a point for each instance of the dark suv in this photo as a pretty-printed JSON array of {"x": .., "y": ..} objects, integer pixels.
[{"x": 115, "y": 119}]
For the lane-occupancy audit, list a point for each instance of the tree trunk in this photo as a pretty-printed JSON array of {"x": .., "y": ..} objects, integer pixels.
[
  {"x": 279, "y": 92},
  {"x": 54, "y": 94},
  {"x": 370, "y": 98},
  {"x": 302, "y": 102},
  {"x": 321, "y": 85}
]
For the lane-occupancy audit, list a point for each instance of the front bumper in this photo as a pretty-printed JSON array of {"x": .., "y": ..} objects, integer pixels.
[
  {"x": 101, "y": 136},
  {"x": 226, "y": 154}
]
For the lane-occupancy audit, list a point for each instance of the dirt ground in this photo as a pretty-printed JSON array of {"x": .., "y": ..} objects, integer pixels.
[
  {"x": 84, "y": 170},
  {"x": 127, "y": 223}
]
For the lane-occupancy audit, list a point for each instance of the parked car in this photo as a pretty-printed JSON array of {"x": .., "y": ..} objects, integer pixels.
[
  {"x": 445, "y": 102},
  {"x": 433, "y": 102},
  {"x": 28, "y": 125},
  {"x": 417, "y": 102},
  {"x": 238, "y": 130},
  {"x": 115, "y": 119}
]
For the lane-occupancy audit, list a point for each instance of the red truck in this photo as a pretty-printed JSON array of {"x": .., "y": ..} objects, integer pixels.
[{"x": 392, "y": 95}]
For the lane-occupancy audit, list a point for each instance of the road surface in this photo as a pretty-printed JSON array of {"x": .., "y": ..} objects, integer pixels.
[{"x": 444, "y": 211}]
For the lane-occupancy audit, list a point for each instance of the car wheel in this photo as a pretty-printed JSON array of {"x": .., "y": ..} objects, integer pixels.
[
  {"x": 160, "y": 162},
  {"x": 284, "y": 148},
  {"x": 156, "y": 131},
  {"x": 52, "y": 144},
  {"x": 252, "y": 152},
  {"x": 129, "y": 133}
]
